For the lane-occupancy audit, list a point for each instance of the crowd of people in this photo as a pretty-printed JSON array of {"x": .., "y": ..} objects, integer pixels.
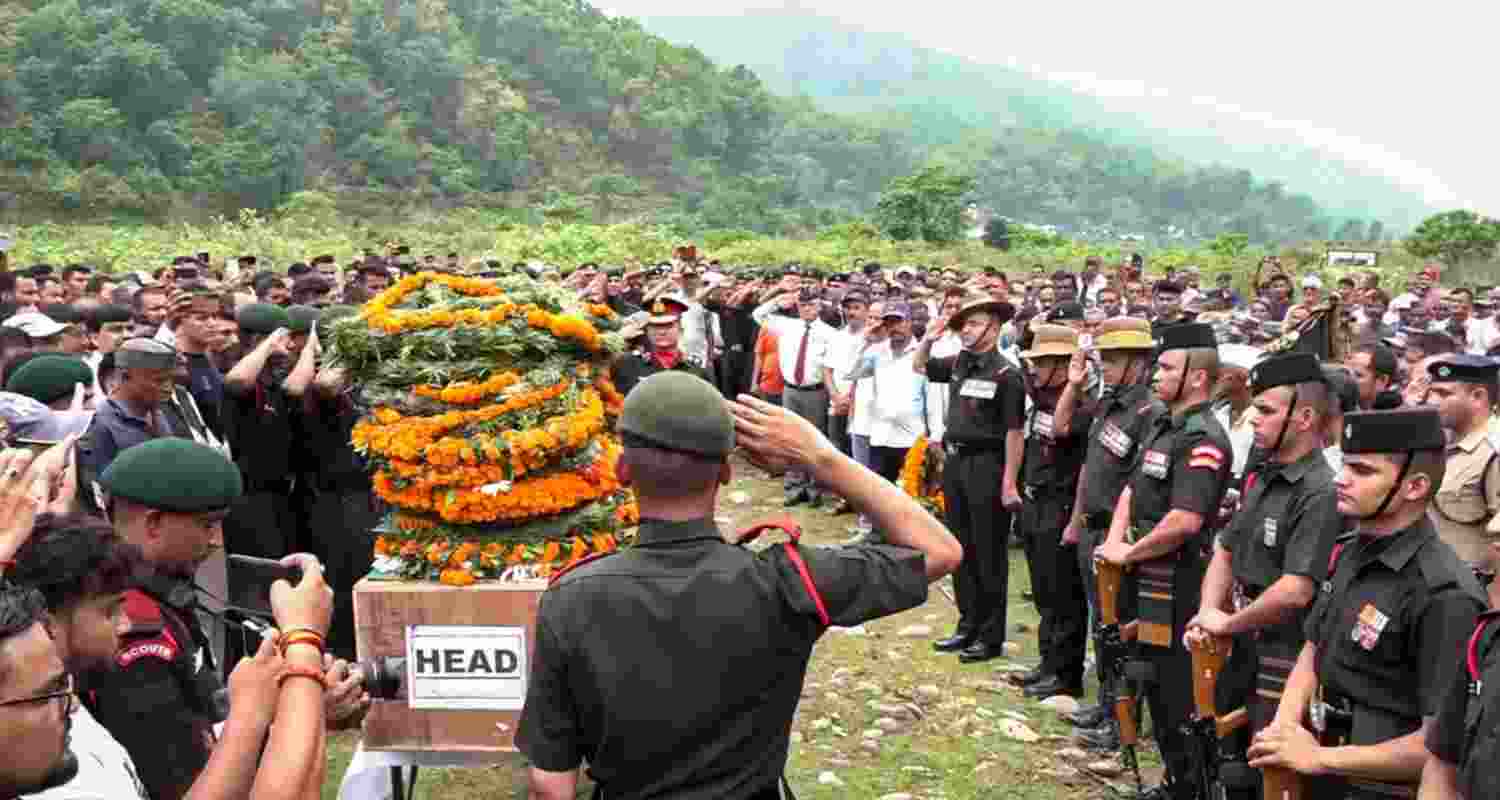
[{"x": 1333, "y": 518}]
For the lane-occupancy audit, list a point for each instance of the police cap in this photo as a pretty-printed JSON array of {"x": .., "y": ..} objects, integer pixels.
[
  {"x": 173, "y": 474},
  {"x": 48, "y": 378},
  {"x": 675, "y": 410},
  {"x": 1463, "y": 368},
  {"x": 263, "y": 318},
  {"x": 1396, "y": 431},
  {"x": 1188, "y": 335},
  {"x": 142, "y": 353},
  {"x": 1287, "y": 369}
]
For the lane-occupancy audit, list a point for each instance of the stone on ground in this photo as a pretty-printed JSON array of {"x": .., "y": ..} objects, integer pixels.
[
  {"x": 915, "y": 632},
  {"x": 1105, "y": 767},
  {"x": 1061, "y": 703},
  {"x": 826, "y": 778},
  {"x": 1018, "y": 731}
]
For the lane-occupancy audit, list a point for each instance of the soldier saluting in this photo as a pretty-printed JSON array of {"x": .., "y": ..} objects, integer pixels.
[
  {"x": 1171, "y": 501},
  {"x": 1382, "y": 635},
  {"x": 664, "y": 334}
]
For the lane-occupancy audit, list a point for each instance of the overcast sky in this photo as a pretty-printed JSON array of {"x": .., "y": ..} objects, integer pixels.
[{"x": 1401, "y": 87}]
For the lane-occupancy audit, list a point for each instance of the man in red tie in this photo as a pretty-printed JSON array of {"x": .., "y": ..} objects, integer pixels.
[
  {"x": 802, "y": 342},
  {"x": 663, "y": 328}
]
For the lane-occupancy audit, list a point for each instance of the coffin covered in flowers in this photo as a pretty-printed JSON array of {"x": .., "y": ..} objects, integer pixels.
[{"x": 487, "y": 427}]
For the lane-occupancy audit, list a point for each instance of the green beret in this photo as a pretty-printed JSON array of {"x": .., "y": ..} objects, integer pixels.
[
  {"x": 675, "y": 410},
  {"x": 141, "y": 353},
  {"x": 302, "y": 318},
  {"x": 50, "y": 377},
  {"x": 173, "y": 474},
  {"x": 263, "y": 318}
]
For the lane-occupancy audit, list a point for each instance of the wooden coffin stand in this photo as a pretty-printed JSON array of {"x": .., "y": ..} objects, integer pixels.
[{"x": 383, "y": 613}]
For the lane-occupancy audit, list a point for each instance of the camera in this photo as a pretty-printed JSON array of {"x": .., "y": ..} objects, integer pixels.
[{"x": 383, "y": 676}]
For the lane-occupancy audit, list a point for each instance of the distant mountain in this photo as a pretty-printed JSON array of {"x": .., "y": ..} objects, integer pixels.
[{"x": 850, "y": 70}]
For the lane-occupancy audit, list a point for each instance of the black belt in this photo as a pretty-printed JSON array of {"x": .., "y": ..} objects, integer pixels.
[{"x": 811, "y": 387}]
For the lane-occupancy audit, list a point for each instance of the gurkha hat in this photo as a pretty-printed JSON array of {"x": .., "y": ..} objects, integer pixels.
[
  {"x": 1052, "y": 340},
  {"x": 666, "y": 310},
  {"x": 1124, "y": 333},
  {"x": 675, "y": 410},
  {"x": 142, "y": 353},
  {"x": 1399, "y": 430},
  {"x": 1005, "y": 311},
  {"x": 173, "y": 474},
  {"x": 1188, "y": 335},
  {"x": 1463, "y": 368},
  {"x": 1288, "y": 369}
]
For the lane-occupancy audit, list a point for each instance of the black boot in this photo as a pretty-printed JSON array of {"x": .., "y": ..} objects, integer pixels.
[{"x": 1091, "y": 716}]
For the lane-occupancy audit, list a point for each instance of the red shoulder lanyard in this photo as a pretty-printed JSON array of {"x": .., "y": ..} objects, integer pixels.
[{"x": 793, "y": 530}]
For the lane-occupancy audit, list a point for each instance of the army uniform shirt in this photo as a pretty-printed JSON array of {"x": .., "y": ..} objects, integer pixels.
[
  {"x": 1469, "y": 497},
  {"x": 1286, "y": 525},
  {"x": 674, "y": 667},
  {"x": 1051, "y": 463},
  {"x": 632, "y": 368},
  {"x": 986, "y": 398},
  {"x": 1466, "y": 732},
  {"x": 157, "y": 697},
  {"x": 1387, "y": 625},
  {"x": 1122, "y": 420}
]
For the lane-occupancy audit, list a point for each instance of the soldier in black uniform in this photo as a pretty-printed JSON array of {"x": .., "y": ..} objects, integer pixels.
[
  {"x": 1057, "y": 427},
  {"x": 1267, "y": 565},
  {"x": 1384, "y": 633},
  {"x": 674, "y": 667},
  {"x": 1464, "y": 740},
  {"x": 663, "y": 332},
  {"x": 1161, "y": 526},
  {"x": 986, "y": 412},
  {"x": 169, "y": 497},
  {"x": 1125, "y": 415}
]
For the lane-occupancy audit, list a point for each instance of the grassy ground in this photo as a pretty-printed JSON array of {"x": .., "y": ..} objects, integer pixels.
[{"x": 955, "y": 749}]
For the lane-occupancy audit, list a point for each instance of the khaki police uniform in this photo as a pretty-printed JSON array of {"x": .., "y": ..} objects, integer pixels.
[{"x": 1466, "y": 503}]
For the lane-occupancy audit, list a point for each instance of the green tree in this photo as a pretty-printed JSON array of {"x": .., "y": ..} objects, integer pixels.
[
  {"x": 927, "y": 206},
  {"x": 1229, "y": 245},
  {"x": 1351, "y": 231},
  {"x": 1376, "y": 231},
  {"x": 997, "y": 234},
  {"x": 1455, "y": 237}
]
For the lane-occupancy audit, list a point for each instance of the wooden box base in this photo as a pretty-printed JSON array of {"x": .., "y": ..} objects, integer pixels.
[{"x": 382, "y": 612}]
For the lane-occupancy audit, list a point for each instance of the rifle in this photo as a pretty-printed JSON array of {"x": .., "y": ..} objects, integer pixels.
[
  {"x": 1207, "y": 729},
  {"x": 1112, "y": 642}
]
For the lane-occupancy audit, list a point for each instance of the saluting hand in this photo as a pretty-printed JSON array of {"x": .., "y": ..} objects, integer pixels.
[
  {"x": 774, "y": 438},
  {"x": 1078, "y": 368}
]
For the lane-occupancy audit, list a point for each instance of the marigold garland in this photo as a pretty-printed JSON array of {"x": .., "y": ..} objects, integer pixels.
[
  {"x": 465, "y": 562},
  {"x": 467, "y": 393},
  {"x": 915, "y": 477},
  {"x": 394, "y": 436}
]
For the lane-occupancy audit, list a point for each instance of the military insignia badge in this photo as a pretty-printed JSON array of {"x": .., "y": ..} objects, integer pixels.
[
  {"x": 1368, "y": 626},
  {"x": 659, "y": 308},
  {"x": 1270, "y": 534}
]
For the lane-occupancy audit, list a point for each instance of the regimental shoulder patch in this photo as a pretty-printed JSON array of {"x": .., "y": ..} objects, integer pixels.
[
  {"x": 162, "y": 646},
  {"x": 1206, "y": 456}
]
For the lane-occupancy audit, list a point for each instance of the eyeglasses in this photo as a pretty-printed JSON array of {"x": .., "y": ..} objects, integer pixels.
[{"x": 65, "y": 694}]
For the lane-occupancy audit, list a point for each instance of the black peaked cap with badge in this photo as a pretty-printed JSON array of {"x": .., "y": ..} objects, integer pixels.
[
  {"x": 1399, "y": 430},
  {"x": 142, "y": 353},
  {"x": 1187, "y": 335},
  {"x": 1463, "y": 368},
  {"x": 1287, "y": 369},
  {"x": 173, "y": 474},
  {"x": 675, "y": 410}
]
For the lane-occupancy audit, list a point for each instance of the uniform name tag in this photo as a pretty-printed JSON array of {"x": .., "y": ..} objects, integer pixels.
[
  {"x": 1044, "y": 424},
  {"x": 1368, "y": 626},
  {"x": 1270, "y": 537},
  {"x": 1115, "y": 440},
  {"x": 978, "y": 389},
  {"x": 1154, "y": 464}
]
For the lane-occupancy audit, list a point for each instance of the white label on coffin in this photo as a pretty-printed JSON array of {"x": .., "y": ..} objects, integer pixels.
[{"x": 466, "y": 667}]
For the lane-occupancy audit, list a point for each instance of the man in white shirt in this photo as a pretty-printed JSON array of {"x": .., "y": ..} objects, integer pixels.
[
  {"x": 802, "y": 346},
  {"x": 842, "y": 348},
  {"x": 899, "y": 412}
]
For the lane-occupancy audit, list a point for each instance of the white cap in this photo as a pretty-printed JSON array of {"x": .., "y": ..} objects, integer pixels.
[
  {"x": 1240, "y": 356},
  {"x": 35, "y": 324},
  {"x": 1312, "y": 282}
]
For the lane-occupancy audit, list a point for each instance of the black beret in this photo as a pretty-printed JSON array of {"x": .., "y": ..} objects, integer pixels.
[
  {"x": 1187, "y": 335},
  {"x": 263, "y": 318},
  {"x": 173, "y": 474},
  {"x": 48, "y": 378},
  {"x": 302, "y": 318},
  {"x": 1344, "y": 389},
  {"x": 1397, "y": 431},
  {"x": 675, "y": 410},
  {"x": 298, "y": 269},
  {"x": 1463, "y": 368},
  {"x": 1287, "y": 369}
]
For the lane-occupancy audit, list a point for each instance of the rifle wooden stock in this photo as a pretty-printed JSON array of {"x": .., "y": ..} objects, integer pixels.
[
  {"x": 1209, "y": 655},
  {"x": 1110, "y": 577},
  {"x": 1279, "y": 783},
  {"x": 1130, "y": 630},
  {"x": 1125, "y": 708}
]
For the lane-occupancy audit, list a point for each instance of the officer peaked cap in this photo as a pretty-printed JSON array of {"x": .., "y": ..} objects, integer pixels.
[
  {"x": 1399, "y": 430},
  {"x": 1463, "y": 368},
  {"x": 1188, "y": 335},
  {"x": 1285, "y": 370}
]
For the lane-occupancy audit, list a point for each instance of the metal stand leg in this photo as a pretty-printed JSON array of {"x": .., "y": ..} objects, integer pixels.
[{"x": 403, "y": 789}]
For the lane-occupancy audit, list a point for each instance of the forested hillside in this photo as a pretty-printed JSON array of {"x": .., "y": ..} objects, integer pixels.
[{"x": 169, "y": 106}]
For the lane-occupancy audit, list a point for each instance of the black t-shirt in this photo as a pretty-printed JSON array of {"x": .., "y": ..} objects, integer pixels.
[
  {"x": 632, "y": 368},
  {"x": 986, "y": 397},
  {"x": 1465, "y": 733},
  {"x": 674, "y": 667},
  {"x": 1183, "y": 463},
  {"x": 1390, "y": 625},
  {"x": 261, "y": 426}
]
